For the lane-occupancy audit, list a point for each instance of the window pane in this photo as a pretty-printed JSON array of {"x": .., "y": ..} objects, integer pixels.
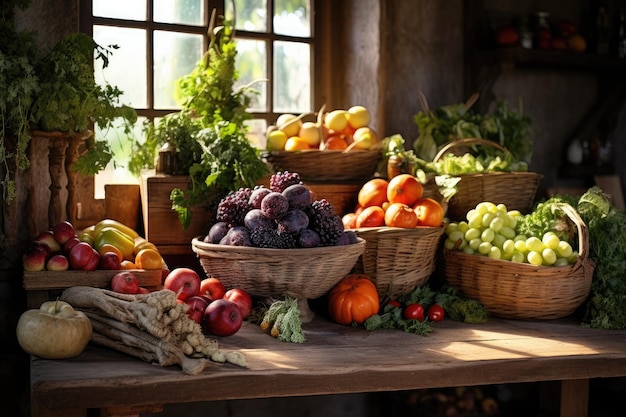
[
  {"x": 127, "y": 65},
  {"x": 292, "y": 77},
  {"x": 292, "y": 17},
  {"x": 251, "y": 14},
  {"x": 175, "y": 55},
  {"x": 116, "y": 171},
  {"x": 251, "y": 65},
  {"x": 120, "y": 9},
  {"x": 186, "y": 12}
]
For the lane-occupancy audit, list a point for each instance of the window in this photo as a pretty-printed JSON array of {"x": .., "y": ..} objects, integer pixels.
[{"x": 161, "y": 40}]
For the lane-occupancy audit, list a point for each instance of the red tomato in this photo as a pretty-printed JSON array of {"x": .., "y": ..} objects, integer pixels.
[
  {"x": 436, "y": 312},
  {"x": 413, "y": 311},
  {"x": 394, "y": 303}
]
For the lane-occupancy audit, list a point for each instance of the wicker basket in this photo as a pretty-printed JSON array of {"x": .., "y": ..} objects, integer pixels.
[
  {"x": 520, "y": 290},
  {"x": 514, "y": 189},
  {"x": 299, "y": 273},
  {"x": 397, "y": 259},
  {"x": 327, "y": 165}
]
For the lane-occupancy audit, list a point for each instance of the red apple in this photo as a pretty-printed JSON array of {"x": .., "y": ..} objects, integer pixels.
[
  {"x": 212, "y": 288},
  {"x": 80, "y": 255},
  {"x": 110, "y": 261},
  {"x": 125, "y": 282},
  {"x": 57, "y": 262},
  {"x": 185, "y": 282},
  {"x": 143, "y": 290},
  {"x": 35, "y": 257},
  {"x": 63, "y": 231},
  {"x": 241, "y": 298},
  {"x": 222, "y": 318},
  {"x": 94, "y": 261},
  {"x": 48, "y": 238},
  {"x": 67, "y": 246},
  {"x": 197, "y": 304}
]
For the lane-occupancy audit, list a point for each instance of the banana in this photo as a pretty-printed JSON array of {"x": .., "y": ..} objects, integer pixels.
[{"x": 129, "y": 231}]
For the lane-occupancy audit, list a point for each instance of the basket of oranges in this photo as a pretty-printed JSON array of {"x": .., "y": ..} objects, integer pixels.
[
  {"x": 402, "y": 229},
  {"x": 340, "y": 141}
]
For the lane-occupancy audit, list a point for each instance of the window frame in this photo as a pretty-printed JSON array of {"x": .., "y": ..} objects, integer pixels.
[{"x": 92, "y": 209}]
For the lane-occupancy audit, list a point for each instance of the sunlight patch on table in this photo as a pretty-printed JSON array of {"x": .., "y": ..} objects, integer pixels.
[{"x": 496, "y": 345}]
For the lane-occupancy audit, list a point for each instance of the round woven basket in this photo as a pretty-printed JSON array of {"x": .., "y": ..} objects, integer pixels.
[
  {"x": 520, "y": 290},
  {"x": 327, "y": 165},
  {"x": 514, "y": 189},
  {"x": 398, "y": 259},
  {"x": 299, "y": 273}
]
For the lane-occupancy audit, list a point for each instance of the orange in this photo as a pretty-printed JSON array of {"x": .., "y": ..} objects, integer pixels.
[
  {"x": 107, "y": 247},
  {"x": 373, "y": 193},
  {"x": 335, "y": 143},
  {"x": 148, "y": 259},
  {"x": 429, "y": 212},
  {"x": 400, "y": 215},
  {"x": 296, "y": 143},
  {"x": 126, "y": 264},
  {"x": 372, "y": 216},
  {"x": 404, "y": 188}
]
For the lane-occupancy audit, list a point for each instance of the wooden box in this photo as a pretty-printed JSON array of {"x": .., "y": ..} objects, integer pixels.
[
  {"x": 161, "y": 224},
  {"x": 47, "y": 285}
]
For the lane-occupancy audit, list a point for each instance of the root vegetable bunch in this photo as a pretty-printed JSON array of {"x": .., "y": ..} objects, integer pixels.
[{"x": 153, "y": 327}]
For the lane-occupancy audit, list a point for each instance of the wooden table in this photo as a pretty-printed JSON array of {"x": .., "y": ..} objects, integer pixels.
[{"x": 341, "y": 359}]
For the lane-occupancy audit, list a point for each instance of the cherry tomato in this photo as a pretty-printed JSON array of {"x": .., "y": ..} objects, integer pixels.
[
  {"x": 413, "y": 311},
  {"x": 394, "y": 303},
  {"x": 435, "y": 312}
]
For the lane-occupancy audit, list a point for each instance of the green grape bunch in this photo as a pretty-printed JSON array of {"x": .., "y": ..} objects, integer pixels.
[{"x": 491, "y": 230}]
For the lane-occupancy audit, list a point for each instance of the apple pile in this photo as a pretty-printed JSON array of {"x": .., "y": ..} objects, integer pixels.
[
  {"x": 218, "y": 310},
  {"x": 106, "y": 245},
  {"x": 336, "y": 130}
]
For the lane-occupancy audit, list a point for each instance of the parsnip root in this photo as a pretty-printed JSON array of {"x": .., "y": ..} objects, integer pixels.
[{"x": 153, "y": 327}]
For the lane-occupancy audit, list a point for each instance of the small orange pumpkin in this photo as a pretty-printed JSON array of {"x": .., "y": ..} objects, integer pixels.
[{"x": 353, "y": 300}]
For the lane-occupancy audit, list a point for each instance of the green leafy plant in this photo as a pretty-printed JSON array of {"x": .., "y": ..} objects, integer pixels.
[
  {"x": 505, "y": 126},
  {"x": 71, "y": 101},
  {"x": 18, "y": 86},
  {"x": 209, "y": 132},
  {"x": 57, "y": 91}
]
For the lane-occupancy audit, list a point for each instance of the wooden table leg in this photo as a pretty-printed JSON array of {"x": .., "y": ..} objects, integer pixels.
[
  {"x": 575, "y": 398},
  {"x": 569, "y": 398}
]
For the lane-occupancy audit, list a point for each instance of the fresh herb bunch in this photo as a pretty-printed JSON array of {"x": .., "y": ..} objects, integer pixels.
[
  {"x": 228, "y": 162},
  {"x": 209, "y": 132},
  {"x": 507, "y": 127},
  {"x": 18, "y": 86}
]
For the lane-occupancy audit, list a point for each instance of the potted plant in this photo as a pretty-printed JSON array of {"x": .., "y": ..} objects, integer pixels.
[{"x": 208, "y": 135}]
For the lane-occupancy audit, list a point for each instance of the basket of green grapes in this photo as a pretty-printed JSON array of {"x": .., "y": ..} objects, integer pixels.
[{"x": 514, "y": 273}]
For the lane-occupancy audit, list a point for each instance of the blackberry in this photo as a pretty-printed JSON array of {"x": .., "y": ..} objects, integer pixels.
[
  {"x": 281, "y": 180},
  {"x": 233, "y": 208},
  {"x": 324, "y": 221},
  {"x": 271, "y": 238}
]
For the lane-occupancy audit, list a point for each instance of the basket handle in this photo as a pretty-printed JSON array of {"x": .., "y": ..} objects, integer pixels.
[
  {"x": 468, "y": 141},
  {"x": 583, "y": 232}
]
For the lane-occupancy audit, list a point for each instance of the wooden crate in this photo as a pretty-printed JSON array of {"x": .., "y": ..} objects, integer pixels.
[
  {"x": 161, "y": 224},
  {"x": 47, "y": 285},
  {"x": 343, "y": 197}
]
